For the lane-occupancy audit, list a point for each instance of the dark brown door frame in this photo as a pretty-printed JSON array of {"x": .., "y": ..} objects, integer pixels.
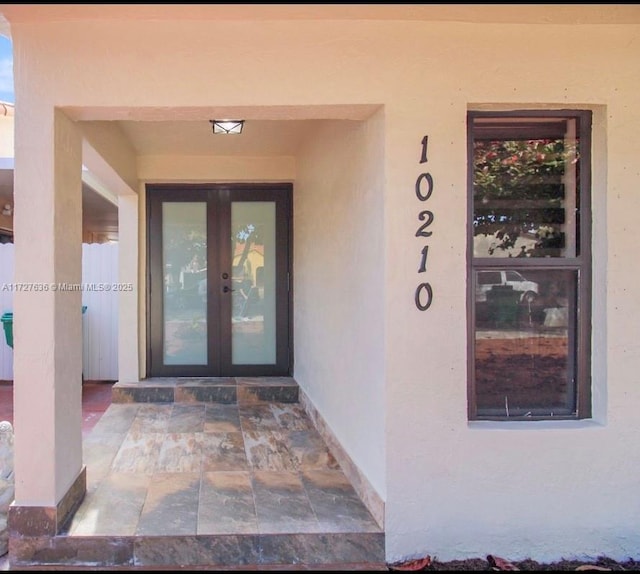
[{"x": 218, "y": 198}]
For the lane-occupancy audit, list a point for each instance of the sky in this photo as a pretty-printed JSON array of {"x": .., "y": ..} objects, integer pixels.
[{"x": 6, "y": 70}]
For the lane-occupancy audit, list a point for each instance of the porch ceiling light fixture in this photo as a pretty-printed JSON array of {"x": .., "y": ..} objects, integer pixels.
[{"x": 227, "y": 126}]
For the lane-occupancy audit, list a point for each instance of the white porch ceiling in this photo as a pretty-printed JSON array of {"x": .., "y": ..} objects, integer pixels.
[{"x": 262, "y": 138}]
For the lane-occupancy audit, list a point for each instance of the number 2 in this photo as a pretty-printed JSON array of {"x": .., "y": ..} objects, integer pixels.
[{"x": 421, "y": 230}]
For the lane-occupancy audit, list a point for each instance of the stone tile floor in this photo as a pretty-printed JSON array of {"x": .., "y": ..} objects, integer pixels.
[
  {"x": 189, "y": 469},
  {"x": 243, "y": 483}
]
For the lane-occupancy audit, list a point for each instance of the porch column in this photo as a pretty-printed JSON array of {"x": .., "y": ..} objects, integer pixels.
[
  {"x": 128, "y": 299},
  {"x": 49, "y": 476}
]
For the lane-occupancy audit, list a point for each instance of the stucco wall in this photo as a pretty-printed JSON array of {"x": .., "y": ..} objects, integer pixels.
[
  {"x": 338, "y": 286},
  {"x": 543, "y": 490},
  {"x": 48, "y": 328},
  {"x": 116, "y": 165},
  {"x": 452, "y": 489}
]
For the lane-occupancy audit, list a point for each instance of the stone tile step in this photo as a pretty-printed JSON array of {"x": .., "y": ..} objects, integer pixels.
[
  {"x": 227, "y": 390},
  {"x": 343, "y": 550}
]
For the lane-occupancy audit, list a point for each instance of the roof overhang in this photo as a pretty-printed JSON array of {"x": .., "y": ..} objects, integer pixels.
[{"x": 472, "y": 13}]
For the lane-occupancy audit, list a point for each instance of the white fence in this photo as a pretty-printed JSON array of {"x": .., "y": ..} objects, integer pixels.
[
  {"x": 99, "y": 322},
  {"x": 6, "y": 304}
]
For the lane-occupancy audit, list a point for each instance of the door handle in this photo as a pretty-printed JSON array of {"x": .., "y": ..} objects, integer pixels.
[{"x": 227, "y": 289}]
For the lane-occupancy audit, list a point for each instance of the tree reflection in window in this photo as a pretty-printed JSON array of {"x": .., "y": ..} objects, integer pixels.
[{"x": 519, "y": 194}]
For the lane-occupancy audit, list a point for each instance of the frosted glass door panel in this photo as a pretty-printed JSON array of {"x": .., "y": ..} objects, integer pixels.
[
  {"x": 253, "y": 255},
  {"x": 184, "y": 256}
]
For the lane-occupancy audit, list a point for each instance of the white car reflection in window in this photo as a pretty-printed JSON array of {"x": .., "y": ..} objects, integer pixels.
[{"x": 486, "y": 280}]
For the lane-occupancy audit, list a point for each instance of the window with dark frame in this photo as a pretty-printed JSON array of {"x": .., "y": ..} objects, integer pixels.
[{"x": 529, "y": 279}]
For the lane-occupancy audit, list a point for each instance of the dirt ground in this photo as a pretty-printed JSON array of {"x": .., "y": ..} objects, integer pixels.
[
  {"x": 517, "y": 371},
  {"x": 494, "y": 563}
]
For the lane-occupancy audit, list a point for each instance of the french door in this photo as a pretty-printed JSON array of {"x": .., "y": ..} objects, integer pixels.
[{"x": 219, "y": 280}]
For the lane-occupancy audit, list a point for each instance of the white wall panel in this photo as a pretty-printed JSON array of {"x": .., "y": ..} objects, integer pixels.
[
  {"x": 100, "y": 321},
  {"x": 6, "y": 305}
]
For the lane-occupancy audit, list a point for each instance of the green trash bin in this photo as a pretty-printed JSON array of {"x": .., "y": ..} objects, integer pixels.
[
  {"x": 503, "y": 302},
  {"x": 7, "y": 324}
]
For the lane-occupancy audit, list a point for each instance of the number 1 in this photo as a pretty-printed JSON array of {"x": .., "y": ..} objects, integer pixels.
[
  {"x": 423, "y": 262},
  {"x": 425, "y": 141}
]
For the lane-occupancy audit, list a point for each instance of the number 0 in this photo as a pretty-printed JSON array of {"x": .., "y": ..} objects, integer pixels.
[
  {"x": 419, "y": 304},
  {"x": 421, "y": 196}
]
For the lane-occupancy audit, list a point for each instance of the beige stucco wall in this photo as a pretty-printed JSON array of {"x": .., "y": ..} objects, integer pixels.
[
  {"x": 339, "y": 286},
  {"x": 48, "y": 327},
  {"x": 110, "y": 157},
  {"x": 451, "y": 489}
]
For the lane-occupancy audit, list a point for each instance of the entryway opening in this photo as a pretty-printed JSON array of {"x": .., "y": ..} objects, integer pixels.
[{"x": 219, "y": 280}]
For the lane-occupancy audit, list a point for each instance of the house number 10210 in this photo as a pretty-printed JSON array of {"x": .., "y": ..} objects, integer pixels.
[{"x": 424, "y": 189}]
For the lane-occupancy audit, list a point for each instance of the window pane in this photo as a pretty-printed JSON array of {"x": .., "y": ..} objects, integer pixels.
[
  {"x": 525, "y": 183},
  {"x": 525, "y": 330}
]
